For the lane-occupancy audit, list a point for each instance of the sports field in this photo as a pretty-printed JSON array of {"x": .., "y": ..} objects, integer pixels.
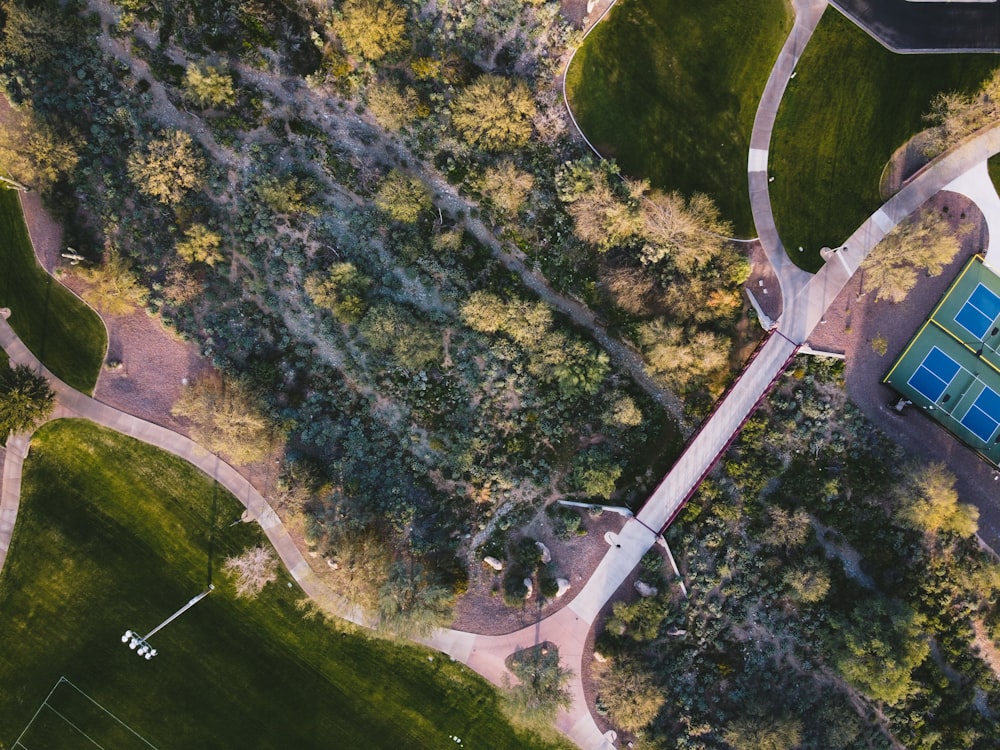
[
  {"x": 113, "y": 535},
  {"x": 951, "y": 368}
]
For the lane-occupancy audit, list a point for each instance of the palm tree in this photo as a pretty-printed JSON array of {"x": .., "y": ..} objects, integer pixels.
[{"x": 25, "y": 399}]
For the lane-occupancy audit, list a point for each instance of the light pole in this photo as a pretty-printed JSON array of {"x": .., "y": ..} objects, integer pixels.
[{"x": 140, "y": 643}]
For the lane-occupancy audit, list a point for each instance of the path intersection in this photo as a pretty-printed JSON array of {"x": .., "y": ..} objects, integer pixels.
[{"x": 806, "y": 298}]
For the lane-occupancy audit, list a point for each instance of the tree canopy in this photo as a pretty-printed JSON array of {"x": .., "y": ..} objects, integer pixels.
[
  {"x": 26, "y": 399},
  {"x": 371, "y": 29},
  {"x": 209, "y": 86},
  {"x": 494, "y": 113},
  {"x": 168, "y": 167}
]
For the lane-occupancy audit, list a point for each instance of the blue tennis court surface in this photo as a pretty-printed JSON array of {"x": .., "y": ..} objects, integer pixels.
[
  {"x": 934, "y": 374},
  {"x": 950, "y": 369},
  {"x": 980, "y": 312},
  {"x": 983, "y": 416}
]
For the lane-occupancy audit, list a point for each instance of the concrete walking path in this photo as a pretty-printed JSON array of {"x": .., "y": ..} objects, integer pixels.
[
  {"x": 70, "y": 403},
  {"x": 791, "y": 278},
  {"x": 805, "y": 310}
]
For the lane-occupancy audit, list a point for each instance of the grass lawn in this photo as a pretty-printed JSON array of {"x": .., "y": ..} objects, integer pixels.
[
  {"x": 670, "y": 89},
  {"x": 993, "y": 167},
  {"x": 66, "y": 335},
  {"x": 99, "y": 549},
  {"x": 851, "y": 104}
]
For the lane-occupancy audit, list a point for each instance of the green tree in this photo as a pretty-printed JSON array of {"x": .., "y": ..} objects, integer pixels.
[
  {"x": 389, "y": 331},
  {"x": 410, "y": 604},
  {"x": 883, "y": 644},
  {"x": 26, "y": 399},
  {"x": 167, "y": 168},
  {"x": 341, "y": 290},
  {"x": 112, "y": 287},
  {"x": 630, "y": 695},
  {"x": 403, "y": 197},
  {"x": 542, "y": 684},
  {"x": 494, "y": 113},
  {"x": 200, "y": 245},
  {"x": 764, "y": 733},
  {"x": 290, "y": 195},
  {"x": 371, "y": 29},
  {"x": 808, "y": 584},
  {"x": 394, "y": 109},
  {"x": 595, "y": 474},
  {"x": 209, "y": 86},
  {"x": 639, "y": 621},
  {"x": 225, "y": 418},
  {"x": 931, "y": 504},
  {"x": 924, "y": 244},
  {"x": 506, "y": 187}
]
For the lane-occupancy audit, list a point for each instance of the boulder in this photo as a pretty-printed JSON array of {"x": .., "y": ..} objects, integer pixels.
[
  {"x": 529, "y": 586},
  {"x": 493, "y": 563},
  {"x": 563, "y": 585},
  {"x": 599, "y": 657},
  {"x": 546, "y": 555},
  {"x": 645, "y": 589}
]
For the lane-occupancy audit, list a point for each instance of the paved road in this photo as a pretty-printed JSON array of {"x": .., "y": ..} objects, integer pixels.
[{"x": 928, "y": 26}]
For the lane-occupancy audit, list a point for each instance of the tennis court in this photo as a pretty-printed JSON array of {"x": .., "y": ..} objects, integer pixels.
[{"x": 951, "y": 368}]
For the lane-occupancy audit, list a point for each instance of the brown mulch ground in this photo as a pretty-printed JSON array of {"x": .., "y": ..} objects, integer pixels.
[
  {"x": 482, "y": 610},
  {"x": 763, "y": 281},
  {"x": 155, "y": 361},
  {"x": 852, "y": 322}
]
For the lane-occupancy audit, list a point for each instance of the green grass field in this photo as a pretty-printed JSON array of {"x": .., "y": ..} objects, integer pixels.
[
  {"x": 993, "y": 166},
  {"x": 670, "y": 89},
  {"x": 851, "y": 104},
  {"x": 113, "y": 534},
  {"x": 64, "y": 333}
]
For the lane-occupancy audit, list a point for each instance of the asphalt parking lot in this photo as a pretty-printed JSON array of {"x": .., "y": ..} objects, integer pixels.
[{"x": 928, "y": 26}]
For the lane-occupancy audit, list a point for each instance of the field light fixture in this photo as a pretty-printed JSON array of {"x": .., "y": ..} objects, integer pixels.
[{"x": 140, "y": 643}]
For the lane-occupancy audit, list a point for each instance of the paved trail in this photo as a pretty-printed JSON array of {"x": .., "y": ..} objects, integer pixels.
[{"x": 806, "y": 300}]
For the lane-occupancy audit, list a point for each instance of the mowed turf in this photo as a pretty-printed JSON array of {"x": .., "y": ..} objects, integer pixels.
[
  {"x": 113, "y": 534},
  {"x": 64, "y": 333},
  {"x": 670, "y": 88},
  {"x": 850, "y": 105}
]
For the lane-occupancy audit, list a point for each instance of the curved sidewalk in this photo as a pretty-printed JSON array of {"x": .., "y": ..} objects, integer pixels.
[
  {"x": 70, "y": 403},
  {"x": 791, "y": 278}
]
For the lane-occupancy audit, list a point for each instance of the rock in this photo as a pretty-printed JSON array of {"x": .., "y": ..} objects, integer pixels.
[
  {"x": 563, "y": 585},
  {"x": 333, "y": 565},
  {"x": 529, "y": 586},
  {"x": 599, "y": 657},
  {"x": 493, "y": 563},
  {"x": 645, "y": 589},
  {"x": 546, "y": 555}
]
